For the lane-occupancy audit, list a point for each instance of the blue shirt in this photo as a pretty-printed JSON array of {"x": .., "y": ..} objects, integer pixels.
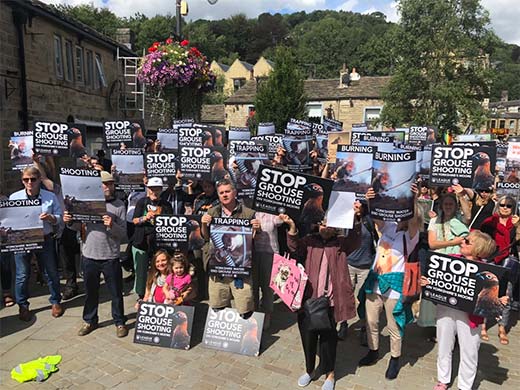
[{"x": 50, "y": 205}]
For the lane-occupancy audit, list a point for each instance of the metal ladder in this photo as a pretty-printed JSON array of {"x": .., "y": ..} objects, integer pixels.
[{"x": 133, "y": 94}]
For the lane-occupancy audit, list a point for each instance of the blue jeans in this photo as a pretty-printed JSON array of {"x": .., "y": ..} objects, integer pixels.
[
  {"x": 111, "y": 270},
  {"x": 47, "y": 261}
]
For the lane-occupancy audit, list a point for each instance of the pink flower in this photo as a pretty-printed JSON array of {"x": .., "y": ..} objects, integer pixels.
[{"x": 169, "y": 41}]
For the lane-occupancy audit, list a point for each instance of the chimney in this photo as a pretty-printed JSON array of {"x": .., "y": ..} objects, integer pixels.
[
  {"x": 504, "y": 96},
  {"x": 126, "y": 37}
]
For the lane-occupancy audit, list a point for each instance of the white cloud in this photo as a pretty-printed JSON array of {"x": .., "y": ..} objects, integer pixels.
[
  {"x": 347, "y": 5},
  {"x": 505, "y": 16}
]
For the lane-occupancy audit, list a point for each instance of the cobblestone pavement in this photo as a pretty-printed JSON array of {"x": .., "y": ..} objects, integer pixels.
[{"x": 102, "y": 361}]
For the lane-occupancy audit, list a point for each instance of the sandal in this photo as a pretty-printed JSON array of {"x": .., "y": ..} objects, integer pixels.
[
  {"x": 8, "y": 300},
  {"x": 504, "y": 340},
  {"x": 484, "y": 335}
]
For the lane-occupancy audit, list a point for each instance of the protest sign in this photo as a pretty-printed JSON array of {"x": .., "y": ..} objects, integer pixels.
[
  {"x": 425, "y": 206},
  {"x": 117, "y": 133},
  {"x": 462, "y": 284},
  {"x": 168, "y": 138},
  {"x": 129, "y": 169},
  {"x": 288, "y": 281},
  {"x": 298, "y": 195},
  {"x": 232, "y": 144},
  {"x": 297, "y": 157},
  {"x": 471, "y": 166},
  {"x": 20, "y": 148},
  {"x": 340, "y": 213},
  {"x": 239, "y": 134},
  {"x": 359, "y": 127},
  {"x": 219, "y": 136},
  {"x": 164, "y": 325},
  {"x": 423, "y": 135},
  {"x": 500, "y": 166},
  {"x": 191, "y": 136},
  {"x": 225, "y": 330},
  {"x": 180, "y": 232},
  {"x": 83, "y": 194},
  {"x": 472, "y": 138},
  {"x": 392, "y": 177},
  {"x": 298, "y": 127},
  {"x": 178, "y": 123},
  {"x": 266, "y": 128},
  {"x": 322, "y": 147},
  {"x": 274, "y": 142},
  {"x": 373, "y": 137},
  {"x": 352, "y": 171},
  {"x": 58, "y": 139},
  {"x": 230, "y": 252},
  {"x": 247, "y": 161},
  {"x": 163, "y": 165},
  {"x": 513, "y": 151},
  {"x": 335, "y": 139},
  {"x": 332, "y": 125},
  {"x": 196, "y": 162},
  {"x": 21, "y": 229},
  {"x": 317, "y": 128}
]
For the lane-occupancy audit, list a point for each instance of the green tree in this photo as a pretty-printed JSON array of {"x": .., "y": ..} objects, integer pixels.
[
  {"x": 441, "y": 73},
  {"x": 100, "y": 19},
  {"x": 282, "y": 95}
]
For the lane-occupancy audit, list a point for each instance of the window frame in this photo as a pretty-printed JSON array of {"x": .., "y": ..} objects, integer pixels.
[
  {"x": 69, "y": 60},
  {"x": 58, "y": 57},
  {"x": 80, "y": 65},
  {"x": 100, "y": 79},
  {"x": 89, "y": 74}
]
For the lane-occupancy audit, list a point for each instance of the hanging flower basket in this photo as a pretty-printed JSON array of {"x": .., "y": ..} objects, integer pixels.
[{"x": 174, "y": 69}]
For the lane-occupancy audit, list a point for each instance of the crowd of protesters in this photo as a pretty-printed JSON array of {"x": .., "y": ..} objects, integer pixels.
[{"x": 475, "y": 224}]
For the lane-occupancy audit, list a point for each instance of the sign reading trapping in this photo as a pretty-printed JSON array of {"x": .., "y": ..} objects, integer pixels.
[
  {"x": 164, "y": 325},
  {"x": 247, "y": 161},
  {"x": 230, "y": 252}
]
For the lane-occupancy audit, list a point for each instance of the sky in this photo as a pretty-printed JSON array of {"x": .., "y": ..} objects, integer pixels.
[{"x": 504, "y": 13}]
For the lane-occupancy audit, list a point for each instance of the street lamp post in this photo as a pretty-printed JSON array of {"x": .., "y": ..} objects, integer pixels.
[{"x": 178, "y": 18}]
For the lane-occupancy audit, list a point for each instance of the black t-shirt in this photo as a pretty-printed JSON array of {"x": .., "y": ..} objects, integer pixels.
[
  {"x": 486, "y": 212},
  {"x": 144, "y": 234}
]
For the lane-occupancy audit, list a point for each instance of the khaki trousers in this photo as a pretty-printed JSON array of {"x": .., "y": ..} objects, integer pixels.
[{"x": 374, "y": 305}]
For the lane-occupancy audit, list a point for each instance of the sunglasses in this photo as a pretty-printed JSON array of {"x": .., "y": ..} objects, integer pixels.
[
  {"x": 485, "y": 191},
  {"x": 509, "y": 206},
  {"x": 29, "y": 179}
]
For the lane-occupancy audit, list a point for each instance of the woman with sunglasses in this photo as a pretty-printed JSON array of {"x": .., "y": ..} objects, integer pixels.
[
  {"x": 477, "y": 204},
  {"x": 504, "y": 227},
  {"x": 455, "y": 324}
]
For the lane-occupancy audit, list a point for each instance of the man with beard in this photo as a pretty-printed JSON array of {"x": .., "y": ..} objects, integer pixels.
[{"x": 100, "y": 255}]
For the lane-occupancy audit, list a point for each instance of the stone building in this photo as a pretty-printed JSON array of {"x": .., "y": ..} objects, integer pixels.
[
  {"x": 237, "y": 75},
  {"x": 55, "y": 68},
  {"x": 504, "y": 118},
  {"x": 356, "y": 103},
  {"x": 263, "y": 67}
]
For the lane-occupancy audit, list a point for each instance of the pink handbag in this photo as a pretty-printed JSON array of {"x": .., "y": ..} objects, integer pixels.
[{"x": 288, "y": 280}]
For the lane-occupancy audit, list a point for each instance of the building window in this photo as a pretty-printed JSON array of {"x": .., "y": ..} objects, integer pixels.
[
  {"x": 314, "y": 111},
  {"x": 89, "y": 74},
  {"x": 80, "y": 70},
  {"x": 100, "y": 79},
  {"x": 58, "y": 57},
  {"x": 511, "y": 124},
  {"x": 493, "y": 123},
  {"x": 371, "y": 115},
  {"x": 69, "y": 74},
  {"x": 502, "y": 124},
  {"x": 238, "y": 83}
]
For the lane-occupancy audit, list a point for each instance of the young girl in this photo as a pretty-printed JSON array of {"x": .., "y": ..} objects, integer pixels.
[
  {"x": 157, "y": 277},
  {"x": 178, "y": 284}
]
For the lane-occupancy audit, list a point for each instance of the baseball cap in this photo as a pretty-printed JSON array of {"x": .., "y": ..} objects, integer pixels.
[
  {"x": 155, "y": 182},
  {"x": 105, "y": 176}
]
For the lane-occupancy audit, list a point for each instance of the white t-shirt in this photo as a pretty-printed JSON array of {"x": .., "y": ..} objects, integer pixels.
[
  {"x": 390, "y": 253},
  {"x": 133, "y": 198}
]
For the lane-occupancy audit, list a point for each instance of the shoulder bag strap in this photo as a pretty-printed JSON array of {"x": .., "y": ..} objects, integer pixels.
[
  {"x": 475, "y": 217},
  {"x": 405, "y": 248}
]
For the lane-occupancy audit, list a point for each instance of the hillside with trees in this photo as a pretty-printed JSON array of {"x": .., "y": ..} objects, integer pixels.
[{"x": 322, "y": 41}]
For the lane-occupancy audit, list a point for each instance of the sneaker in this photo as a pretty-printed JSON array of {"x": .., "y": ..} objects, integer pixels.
[
  {"x": 24, "y": 314},
  {"x": 57, "y": 310},
  {"x": 393, "y": 368},
  {"x": 440, "y": 386},
  {"x": 370, "y": 358},
  {"x": 86, "y": 328},
  {"x": 343, "y": 330},
  {"x": 304, "y": 380},
  {"x": 121, "y": 331},
  {"x": 329, "y": 384}
]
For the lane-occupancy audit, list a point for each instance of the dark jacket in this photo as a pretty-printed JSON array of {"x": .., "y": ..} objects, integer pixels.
[
  {"x": 311, "y": 248},
  {"x": 144, "y": 234}
]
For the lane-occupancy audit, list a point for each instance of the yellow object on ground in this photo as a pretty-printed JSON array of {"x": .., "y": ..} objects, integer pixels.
[{"x": 38, "y": 369}]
